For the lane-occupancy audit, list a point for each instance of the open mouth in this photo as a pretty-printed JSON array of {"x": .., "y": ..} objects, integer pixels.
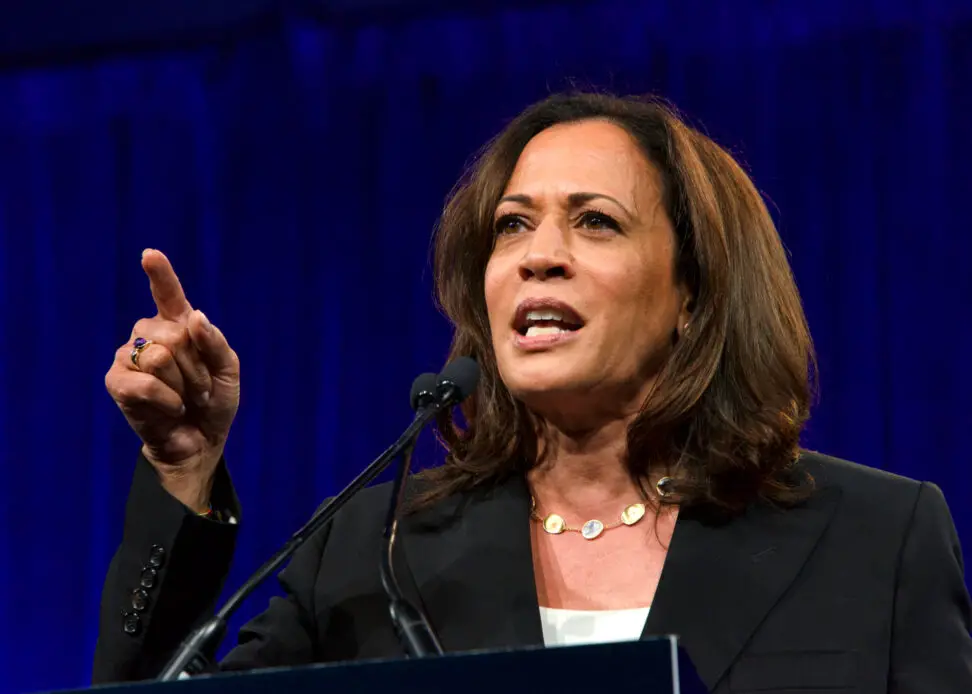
[{"x": 546, "y": 320}]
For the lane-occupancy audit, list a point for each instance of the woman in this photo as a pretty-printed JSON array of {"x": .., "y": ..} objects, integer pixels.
[{"x": 630, "y": 465}]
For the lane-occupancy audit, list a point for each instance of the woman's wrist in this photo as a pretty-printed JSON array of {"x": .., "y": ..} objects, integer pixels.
[
  {"x": 190, "y": 482},
  {"x": 194, "y": 493}
]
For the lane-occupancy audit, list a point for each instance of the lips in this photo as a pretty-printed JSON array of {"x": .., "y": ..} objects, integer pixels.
[{"x": 545, "y": 317}]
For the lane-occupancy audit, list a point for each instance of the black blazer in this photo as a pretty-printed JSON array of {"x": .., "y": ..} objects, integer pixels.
[{"x": 860, "y": 589}]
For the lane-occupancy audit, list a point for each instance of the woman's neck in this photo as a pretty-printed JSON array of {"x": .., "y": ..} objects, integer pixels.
[{"x": 584, "y": 474}]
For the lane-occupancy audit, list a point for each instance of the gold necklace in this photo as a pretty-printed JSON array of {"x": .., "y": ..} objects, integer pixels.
[{"x": 555, "y": 524}]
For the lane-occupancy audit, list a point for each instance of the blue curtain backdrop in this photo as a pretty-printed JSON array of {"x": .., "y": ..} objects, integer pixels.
[{"x": 293, "y": 173}]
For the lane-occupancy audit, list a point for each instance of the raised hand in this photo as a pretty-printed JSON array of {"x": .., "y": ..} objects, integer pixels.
[{"x": 177, "y": 381}]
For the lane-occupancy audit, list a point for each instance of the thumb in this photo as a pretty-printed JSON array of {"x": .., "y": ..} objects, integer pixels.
[{"x": 223, "y": 363}]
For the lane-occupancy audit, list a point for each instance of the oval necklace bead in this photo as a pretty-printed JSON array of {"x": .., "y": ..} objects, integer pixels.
[{"x": 554, "y": 524}]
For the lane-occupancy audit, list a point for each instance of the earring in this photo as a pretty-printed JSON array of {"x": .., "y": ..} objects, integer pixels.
[{"x": 664, "y": 486}]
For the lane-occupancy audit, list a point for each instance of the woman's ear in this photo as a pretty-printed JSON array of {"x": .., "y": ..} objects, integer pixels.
[{"x": 685, "y": 315}]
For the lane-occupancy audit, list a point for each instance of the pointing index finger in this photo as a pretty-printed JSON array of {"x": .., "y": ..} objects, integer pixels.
[{"x": 166, "y": 290}]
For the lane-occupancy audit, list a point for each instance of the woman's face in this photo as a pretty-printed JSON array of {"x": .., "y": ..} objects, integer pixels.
[{"x": 580, "y": 287}]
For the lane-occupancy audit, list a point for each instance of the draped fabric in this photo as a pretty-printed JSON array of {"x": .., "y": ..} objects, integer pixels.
[{"x": 293, "y": 175}]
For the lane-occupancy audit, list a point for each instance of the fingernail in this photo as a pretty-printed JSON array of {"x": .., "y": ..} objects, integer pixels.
[
  {"x": 182, "y": 410},
  {"x": 145, "y": 252},
  {"x": 204, "y": 397},
  {"x": 207, "y": 326}
]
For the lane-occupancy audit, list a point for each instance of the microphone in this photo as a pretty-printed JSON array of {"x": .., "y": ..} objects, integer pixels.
[
  {"x": 430, "y": 394},
  {"x": 457, "y": 381},
  {"x": 423, "y": 391}
]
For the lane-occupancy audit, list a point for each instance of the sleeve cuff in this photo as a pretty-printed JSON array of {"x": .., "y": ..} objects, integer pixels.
[{"x": 174, "y": 560}]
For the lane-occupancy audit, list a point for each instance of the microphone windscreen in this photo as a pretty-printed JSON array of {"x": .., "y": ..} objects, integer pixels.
[
  {"x": 463, "y": 374},
  {"x": 423, "y": 390}
]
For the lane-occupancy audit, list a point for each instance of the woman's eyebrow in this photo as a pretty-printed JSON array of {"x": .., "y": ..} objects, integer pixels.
[{"x": 574, "y": 200}]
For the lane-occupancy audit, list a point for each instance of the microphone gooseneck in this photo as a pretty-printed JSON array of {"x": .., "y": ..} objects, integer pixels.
[
  {"x": 429, "y": 396},
  {"x": 456, "y": 382}
]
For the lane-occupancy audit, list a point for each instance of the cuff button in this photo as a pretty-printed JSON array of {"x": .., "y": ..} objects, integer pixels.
[
  {"x": 140, "y": 600},
  {"x": 148, "y": 577},
  {"x": 131, "y": 623},
  {"x": 156, "y": 556}
]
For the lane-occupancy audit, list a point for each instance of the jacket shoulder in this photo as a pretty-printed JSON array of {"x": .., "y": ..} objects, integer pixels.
[{"x": 863, "y": 488}]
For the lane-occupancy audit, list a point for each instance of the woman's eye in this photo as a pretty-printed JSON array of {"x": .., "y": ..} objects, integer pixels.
[
  {"x": 599, "y": 221},
  {"x": 508, "y": 224}
]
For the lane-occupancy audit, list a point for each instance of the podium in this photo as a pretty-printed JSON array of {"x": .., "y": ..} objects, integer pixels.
[{"x": 655, "y": 666}]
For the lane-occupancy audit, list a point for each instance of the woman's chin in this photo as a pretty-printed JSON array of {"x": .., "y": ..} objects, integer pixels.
[
  {"x": 536, "y": 387},
  {"x": 539, "y": 376}
]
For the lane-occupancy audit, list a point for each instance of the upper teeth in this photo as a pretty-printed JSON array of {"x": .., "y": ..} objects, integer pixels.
[{"x": 546, "y": 314}]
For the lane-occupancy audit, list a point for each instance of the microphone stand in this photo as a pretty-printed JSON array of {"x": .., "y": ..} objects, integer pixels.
[
  {"x": 411, "y": 625},
  {"x": 456, "y": 382},
  {"x": 200, "y": 647}
]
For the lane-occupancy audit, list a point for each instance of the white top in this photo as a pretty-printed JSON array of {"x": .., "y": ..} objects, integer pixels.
[{"x": 576, "y": 627}]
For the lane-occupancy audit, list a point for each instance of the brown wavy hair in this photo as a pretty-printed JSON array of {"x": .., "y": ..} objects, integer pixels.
[{"x": 725, "y": 415}]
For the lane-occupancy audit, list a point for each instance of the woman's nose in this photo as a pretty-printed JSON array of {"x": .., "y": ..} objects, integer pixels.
[{"x": 547, "y": 254}]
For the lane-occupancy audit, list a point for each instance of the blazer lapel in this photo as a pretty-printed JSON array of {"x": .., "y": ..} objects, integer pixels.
[
  {"x": 468, "y": 563},
  {"x": 472, "y": 568},
  {"x": 720, "y": 580}
]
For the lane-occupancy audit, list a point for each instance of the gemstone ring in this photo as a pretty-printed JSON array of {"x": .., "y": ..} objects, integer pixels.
[{"x": 137, "y": 348}]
